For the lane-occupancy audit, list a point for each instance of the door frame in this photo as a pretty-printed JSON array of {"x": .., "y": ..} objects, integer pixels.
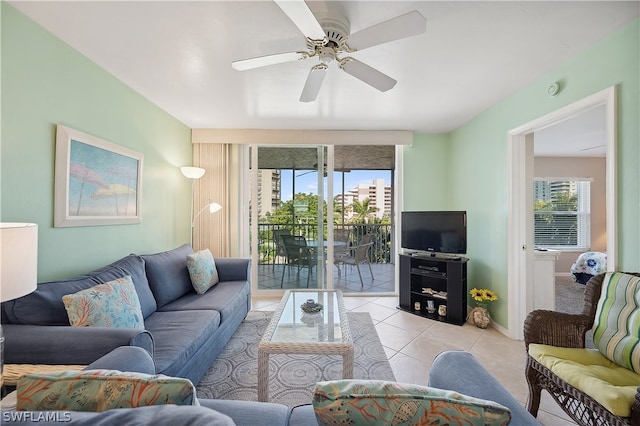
[
  {"x": 520, "y": 186},
  {"x": 323, "y": 280}
]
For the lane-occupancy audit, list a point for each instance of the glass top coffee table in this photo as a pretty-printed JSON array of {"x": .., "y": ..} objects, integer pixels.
[{"x": 321, "y": 331}]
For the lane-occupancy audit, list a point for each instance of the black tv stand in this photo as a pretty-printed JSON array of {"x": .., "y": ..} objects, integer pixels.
[
  {"x": 426, "y": 278},
  {"x": 429, "y": 254}
]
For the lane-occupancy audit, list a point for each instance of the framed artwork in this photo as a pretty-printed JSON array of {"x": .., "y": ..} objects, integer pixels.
[{"x": 96, "y": 182}]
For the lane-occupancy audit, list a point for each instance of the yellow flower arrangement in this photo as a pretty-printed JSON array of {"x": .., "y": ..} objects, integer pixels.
[
  {"x": 480, "y": 314},
  {"x": 482, "y": 295}
]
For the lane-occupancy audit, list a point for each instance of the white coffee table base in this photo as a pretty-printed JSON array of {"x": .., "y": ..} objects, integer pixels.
[{"x": 267, "y": 347}]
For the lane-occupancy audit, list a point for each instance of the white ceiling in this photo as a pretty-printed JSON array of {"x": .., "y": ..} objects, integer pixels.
[
  {"x": 474, "y": 54},
  {"x": 581, "y": 136}
]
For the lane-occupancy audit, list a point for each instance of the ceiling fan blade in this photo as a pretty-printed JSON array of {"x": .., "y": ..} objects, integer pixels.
[
  {"x": 263, "y": 61},
  {"x": 313, "y": 83},
  {"x": 300, "y": 14},
  {"x": 369, "y": 75},
  {"x": 407, "y": 25}
]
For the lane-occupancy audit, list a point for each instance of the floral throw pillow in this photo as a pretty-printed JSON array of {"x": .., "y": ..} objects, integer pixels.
[
  {"x": 377, "y": 402},
  {"x": 100, "y": 390},
  {"x": 112, "y": 304},
  {"x": 202, "y": 270}
]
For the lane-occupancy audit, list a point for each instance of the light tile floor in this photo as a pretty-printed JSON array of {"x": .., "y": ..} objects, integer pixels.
[{"x": 411, "y": 342}]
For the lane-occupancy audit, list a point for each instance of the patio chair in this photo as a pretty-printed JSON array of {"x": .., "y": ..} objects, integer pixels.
[
  {"x": 279, "y": 243},
  {"x": 593, "y": 386},
  {"x": 297, "y": 254},
  {"x": 342, "y": 244},
  {"x": 358, "y": 256},
  {"x": 342, "y": 235}
]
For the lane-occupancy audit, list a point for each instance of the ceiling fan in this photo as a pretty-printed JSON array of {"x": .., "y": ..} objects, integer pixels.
[{"x": 328, "y": 37}]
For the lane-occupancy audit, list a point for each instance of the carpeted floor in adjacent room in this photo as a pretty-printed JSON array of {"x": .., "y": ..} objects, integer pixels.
[
  {"x": 570, "y": 299},
  {"x": 569, "y": 295}
]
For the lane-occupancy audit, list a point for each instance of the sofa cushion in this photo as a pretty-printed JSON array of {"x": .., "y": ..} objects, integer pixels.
[
  {"x": 178, "y": 335},
  {"x": 303, "y": 415},
  {"x": 250, "y": 413},
  {"x": 45, "y": 307},
  {"x": 168, "y": 274},
  {"x": 591, "y": 372},
  {"x": 100, "y": 390},
  {"x": 616, "y": 327},
  {"x": 130, "y": 265},
  {"x": 226, "y": 297},
  {"x": 202, "y": 270},
  {"x": 385, "y": 402},
  {"x": 112, "y": 304}
]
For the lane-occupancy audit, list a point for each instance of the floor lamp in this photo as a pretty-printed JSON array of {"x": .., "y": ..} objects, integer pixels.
[
  {"x": 195, "y": 173},
  {"x": 19, "y": 263}
]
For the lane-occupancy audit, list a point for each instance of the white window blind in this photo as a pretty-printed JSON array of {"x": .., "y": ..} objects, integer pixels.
[{"x": 562, "y": 218}]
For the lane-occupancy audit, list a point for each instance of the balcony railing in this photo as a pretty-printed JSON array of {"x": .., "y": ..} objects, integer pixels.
[{"x": 381, "y": 251}]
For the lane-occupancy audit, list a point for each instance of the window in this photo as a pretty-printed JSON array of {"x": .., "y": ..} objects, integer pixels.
[{"x": 561, "y": 214}]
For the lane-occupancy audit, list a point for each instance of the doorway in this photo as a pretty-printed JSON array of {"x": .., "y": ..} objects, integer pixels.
[{"x": 520, "y": 216}]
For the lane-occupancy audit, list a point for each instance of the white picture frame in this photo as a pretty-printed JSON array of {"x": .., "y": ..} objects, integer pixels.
[{"x": 96, "y": 182}]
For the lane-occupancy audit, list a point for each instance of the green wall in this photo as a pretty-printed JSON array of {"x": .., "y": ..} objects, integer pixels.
[
  {"x": 476, "y": 157},
  {"x": 423, "y": 169},
  {"x": 44, "y": 83}
]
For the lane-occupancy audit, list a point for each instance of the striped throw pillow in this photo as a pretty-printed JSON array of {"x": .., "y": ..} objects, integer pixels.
[{"x": 616, "y": 328}]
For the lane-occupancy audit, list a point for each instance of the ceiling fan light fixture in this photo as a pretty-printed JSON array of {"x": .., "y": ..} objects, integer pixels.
[{"x": 326, "y": 55}]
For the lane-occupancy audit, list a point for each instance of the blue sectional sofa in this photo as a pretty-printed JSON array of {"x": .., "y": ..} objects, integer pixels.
[
  {"x": 453, "y": 370},
  {"x": 183, "y": 331}
]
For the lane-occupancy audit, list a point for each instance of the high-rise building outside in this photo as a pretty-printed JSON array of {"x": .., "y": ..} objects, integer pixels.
[
  {"x": 377, "y": 192},
  {"x": 269, "y": 191}
]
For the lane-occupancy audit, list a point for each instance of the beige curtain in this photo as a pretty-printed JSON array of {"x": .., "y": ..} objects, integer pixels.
[{"x": 212, "y": 230}]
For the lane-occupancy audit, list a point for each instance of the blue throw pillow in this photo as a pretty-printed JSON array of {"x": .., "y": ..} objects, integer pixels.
[
  {"x": 130, "y": 265},
  {"x": 112, "y": 304},
  {"x": 202, "y": 270}
]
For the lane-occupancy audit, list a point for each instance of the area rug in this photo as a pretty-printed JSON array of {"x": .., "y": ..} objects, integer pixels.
[{"x": 234, "y": 374}]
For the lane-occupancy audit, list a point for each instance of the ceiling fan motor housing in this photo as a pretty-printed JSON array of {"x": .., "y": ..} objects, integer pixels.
[{"x": 335, "y": 27}]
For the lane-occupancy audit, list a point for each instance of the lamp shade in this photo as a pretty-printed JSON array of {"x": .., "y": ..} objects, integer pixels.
[
  {"x": 214, "y": 207},
  {"x": 192, "y": 172},
  {"x": 18, "y": 259}
]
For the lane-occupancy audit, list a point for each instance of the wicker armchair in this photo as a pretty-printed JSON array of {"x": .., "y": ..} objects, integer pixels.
[{"x": 568, "y": 330}]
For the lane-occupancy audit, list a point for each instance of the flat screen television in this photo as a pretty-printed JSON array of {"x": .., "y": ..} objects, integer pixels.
[{"x": 434, "y": 232}]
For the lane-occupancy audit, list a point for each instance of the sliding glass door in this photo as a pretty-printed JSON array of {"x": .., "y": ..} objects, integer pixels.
[
  {"x": 331, "y": 200},
  {"x": 290, "y": 219}
]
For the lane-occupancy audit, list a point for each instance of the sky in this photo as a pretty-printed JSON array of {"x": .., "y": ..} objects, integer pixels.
[{"x": 308, "y": 182}]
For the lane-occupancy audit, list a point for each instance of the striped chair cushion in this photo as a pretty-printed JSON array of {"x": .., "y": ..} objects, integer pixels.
[{"x": 616, "y": 328}]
